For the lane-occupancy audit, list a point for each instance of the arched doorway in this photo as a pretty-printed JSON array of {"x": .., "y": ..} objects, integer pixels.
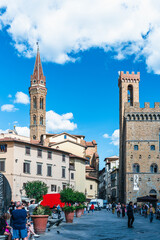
[
  {"x": 153, "y": 193},
  {"x": 5, "y": 194}
]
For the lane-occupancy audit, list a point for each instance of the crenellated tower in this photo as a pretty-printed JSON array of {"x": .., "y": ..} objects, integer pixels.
[
  {"x": 37, "y": 93},
  {"x": 128, "y": 84}
]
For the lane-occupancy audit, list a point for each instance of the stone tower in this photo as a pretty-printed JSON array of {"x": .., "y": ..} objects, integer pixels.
[
  {"x": 128, "y": 93},
  {"x": 37, "y": 93}
]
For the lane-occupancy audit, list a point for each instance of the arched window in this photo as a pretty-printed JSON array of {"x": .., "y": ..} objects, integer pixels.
[
  {"x": 34, "y": 120},
  {"x": 152, "y": 147},
  {"x": 34, "y": 102},
  {"x": 150, "y": 117},
  {"x": 41, "y": 120},
  {"x": 133, "y": 117},
  {"x": 130, "y": 94},
  {"x": 153, "y": 191},
  {"x": 154, "y": 168},
  {"x": 34, "y": 137},
  {"x": 128, "y": 117},
  {"x": 146, "y": 117},
  {"x": 137, "y": 117},
  {"x": 154, "y": 117},
  {"x": 136, "y": 168},
  {"x": 41, "y": 103},
  {"x": 136, "y": 147}
]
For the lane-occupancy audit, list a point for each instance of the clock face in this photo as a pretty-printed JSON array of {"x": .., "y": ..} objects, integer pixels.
[
  {"x": 34, "y": 81},
  {"x": 42, "y": 81}
]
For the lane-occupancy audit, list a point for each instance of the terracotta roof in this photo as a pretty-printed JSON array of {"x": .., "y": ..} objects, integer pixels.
[
  {"x": 89, "y": 168},
  {"x": 112, "y": 158},
  {"x": 91, "y": 144},
  {"x": 75, "y": 156},
  {"x": 91, "y": 178}
]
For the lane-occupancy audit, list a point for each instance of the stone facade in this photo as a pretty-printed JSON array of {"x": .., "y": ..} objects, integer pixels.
[{"x": 139, "y": 173}]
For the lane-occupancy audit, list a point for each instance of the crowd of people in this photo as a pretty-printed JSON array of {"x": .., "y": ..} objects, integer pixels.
[
  {"x": 17, "y": 222},
  {"x": 129, "y": 210}
]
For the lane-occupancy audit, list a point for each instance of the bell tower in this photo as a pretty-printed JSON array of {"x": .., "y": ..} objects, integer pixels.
[{"x": 37, "y": 93}]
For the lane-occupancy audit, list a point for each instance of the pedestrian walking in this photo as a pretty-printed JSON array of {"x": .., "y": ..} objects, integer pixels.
[
  {"x": 32, "y": 206},
  {"x": 130, "y": 214},
  {"x": 110, "y": 206},
  {"x": 88, "y": 208},
  {"x": 113, "y": 207},
  {"x": 107, "y": 207},
  {"x": 92, "y": 208},
  {"x": 151, "y": 212},
  {"x": 118, "y": 210},
  {"x": 123, "y": 210},
  {"x": 19, "y": 222}
]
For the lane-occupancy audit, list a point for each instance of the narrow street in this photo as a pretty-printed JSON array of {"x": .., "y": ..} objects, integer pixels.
[{"x": 104, "y": 225}]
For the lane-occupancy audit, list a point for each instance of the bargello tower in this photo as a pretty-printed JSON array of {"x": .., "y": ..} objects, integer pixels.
[{"x": 37, "y": 93}]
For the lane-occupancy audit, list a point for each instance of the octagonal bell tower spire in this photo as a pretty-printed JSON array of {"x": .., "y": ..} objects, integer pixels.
[{"x": 37, "y": 93}]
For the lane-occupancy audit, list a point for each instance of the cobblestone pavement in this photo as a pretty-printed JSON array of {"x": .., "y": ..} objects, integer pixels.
[{"x": 103, "y": 225}]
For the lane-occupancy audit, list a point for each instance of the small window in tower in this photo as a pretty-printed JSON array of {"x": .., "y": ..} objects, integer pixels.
[
  {"x": 34, "y": 137},
  {"x": 41, "y": 103},
  {"x": 130, "y": 94},
  {"x": 34, "y": 120},
  {"x": 34, "y": 102},
  {"x": 41, "y": 120},
  {"x": 42, "y": 81},
  {"x": 136, "y": 147},
  {"x": 152, "y": 147},
  {"x": 34, "y": 81}
]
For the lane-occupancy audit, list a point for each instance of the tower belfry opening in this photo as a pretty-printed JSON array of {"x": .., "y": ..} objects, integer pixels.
[{"x": 130, "y": 95}]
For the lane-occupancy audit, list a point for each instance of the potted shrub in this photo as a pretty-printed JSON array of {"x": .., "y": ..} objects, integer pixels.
[
  {"x": 40, "y": 218},
  {"x": 80, "y": 198},
  {"x": 68, "y": 197}
]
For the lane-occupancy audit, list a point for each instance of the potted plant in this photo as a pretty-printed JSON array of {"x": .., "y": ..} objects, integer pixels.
[
  {"x": 80, "y": 198},
  {"x": 40, "y": 218},
  {"x": 36, "y": 190},
  {"x": 68, "y": 197}
]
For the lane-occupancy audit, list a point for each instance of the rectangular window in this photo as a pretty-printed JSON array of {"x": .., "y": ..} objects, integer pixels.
[
  {"x": 65, "y": 136},
  {"x": 2, "y": 165},
  {"x": 49, "y": 170},
  {"x": 39, "y": 153},
  {"x": 53, "y": 188},
  {"x": 64, "y": 186},
  {"x": 26, "y": 167},
  {"x": 63, "y": 158},
  {"x": 39, "y": 168},
  {"x": 72, "y": 175},
  {"x": 3, "y": 148},
  {"x": 63, "y": 172},
  {"x": 91, "y": 187},
  {"x": 24, "y": 184},
  {"x": 136, "y": 147},
  {"x": 49, "y": 155},
  {"x": 28, "y": 150}
]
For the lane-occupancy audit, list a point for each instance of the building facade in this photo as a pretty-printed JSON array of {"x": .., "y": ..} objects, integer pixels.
[
  {"x": 139, "y": 173},
  {"x": 102, "y": 184}
]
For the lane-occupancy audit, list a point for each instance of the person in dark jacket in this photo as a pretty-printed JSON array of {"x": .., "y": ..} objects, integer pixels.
[
  {"x": 19, "y": 222},
  {"x": 130, "y": 214}
]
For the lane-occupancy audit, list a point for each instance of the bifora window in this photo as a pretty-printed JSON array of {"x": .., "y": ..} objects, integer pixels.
[
  {"x": 136, "y": 147},
  {"x": 3, "y": 148},
  {"x": 136, "y": 168},
  {"x": 154, "y": 168},
  {"x": 26, "y": 167},
  {"x": 2, "y": 164}
]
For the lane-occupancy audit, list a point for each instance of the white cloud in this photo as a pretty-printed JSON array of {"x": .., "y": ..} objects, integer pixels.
[
  {"x": 21, "y": 97},
  {"x": 9, "y": 96},
  {"x": 56, "y": 122},
  {"x": 23, "y": 131},
  {"x": 3, "y": 131},
  {"x": 114, "y": 137},
  {"x": 8, "y": 108},
  {"x": 67, "y": 27}
]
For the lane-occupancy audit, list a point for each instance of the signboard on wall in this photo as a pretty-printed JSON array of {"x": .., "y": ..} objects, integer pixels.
[{"x": 136, "y": 182}]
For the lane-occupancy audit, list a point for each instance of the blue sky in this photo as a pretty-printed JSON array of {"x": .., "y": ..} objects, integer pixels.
[{"x": 82, "y": 81}]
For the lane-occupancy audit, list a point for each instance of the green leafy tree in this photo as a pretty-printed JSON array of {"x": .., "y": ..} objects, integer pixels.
[
  {"x": 68, "y": 196},
  {"x": 36, "y": 189},
  {"x": 80, "y": 197}
]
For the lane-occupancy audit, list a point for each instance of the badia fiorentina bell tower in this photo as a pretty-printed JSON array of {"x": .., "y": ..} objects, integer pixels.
[{"x": 37, "y": 93}]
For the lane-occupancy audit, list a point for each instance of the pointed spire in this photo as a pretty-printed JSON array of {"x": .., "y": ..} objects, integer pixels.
[{"x": 38, "y": 76}]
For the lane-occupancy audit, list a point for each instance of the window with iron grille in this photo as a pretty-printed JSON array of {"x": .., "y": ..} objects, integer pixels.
[
  {"x": 2, "y": 164},
  {"x": 28, "y": 150},
  {"x": 91, "y": 187},
  {"x": 49, "y": 170},
  {"x": 26, "y": 167},
  {"x": 39, "y": 153}
]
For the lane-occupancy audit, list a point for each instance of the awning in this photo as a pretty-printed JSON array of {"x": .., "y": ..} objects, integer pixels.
[{"x": 146, "y": 199}]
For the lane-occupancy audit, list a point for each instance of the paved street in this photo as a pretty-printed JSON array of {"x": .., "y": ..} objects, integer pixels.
[{"x": 105, "y": 226}]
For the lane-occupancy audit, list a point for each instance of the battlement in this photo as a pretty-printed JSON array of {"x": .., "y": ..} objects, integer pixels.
[
  {"x": 129, "y": 77},
  {"x": 146, "y": 109}
]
